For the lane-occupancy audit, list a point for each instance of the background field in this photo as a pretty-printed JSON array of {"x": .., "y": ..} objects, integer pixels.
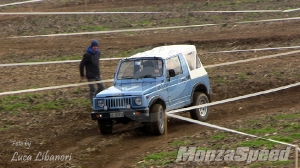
[{"x": 59, "y": 120}]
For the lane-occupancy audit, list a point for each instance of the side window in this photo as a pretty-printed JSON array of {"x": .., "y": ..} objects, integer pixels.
[
  {"x": 198, "y": 63},
  {"x": 190, "y": 58},
  {"x": 174, "y": 63}
]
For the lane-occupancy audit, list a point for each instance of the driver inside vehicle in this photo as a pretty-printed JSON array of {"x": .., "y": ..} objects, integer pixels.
[
  {"x": 146, "y": 69},
  {"x": 150, "y": 68}
]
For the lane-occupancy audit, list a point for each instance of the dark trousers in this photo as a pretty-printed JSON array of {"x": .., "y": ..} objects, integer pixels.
[{"x": 93, "y": 91}]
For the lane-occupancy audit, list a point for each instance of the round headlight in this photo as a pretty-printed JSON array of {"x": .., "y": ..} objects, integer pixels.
[
  {"x": 138, "y": 101},
  {"x": 100, "y": 103}
]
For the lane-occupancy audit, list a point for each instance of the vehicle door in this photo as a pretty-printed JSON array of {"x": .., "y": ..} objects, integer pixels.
[{"x": 175, "y": 83}]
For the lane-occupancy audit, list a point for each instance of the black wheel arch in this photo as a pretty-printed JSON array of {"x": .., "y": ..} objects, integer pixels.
[
  {"x": 158, "y": 100},
  {"x": 200, "y": 87}
]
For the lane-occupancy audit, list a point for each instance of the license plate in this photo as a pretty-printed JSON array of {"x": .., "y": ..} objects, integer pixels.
[{"x": 116, "y": 115}]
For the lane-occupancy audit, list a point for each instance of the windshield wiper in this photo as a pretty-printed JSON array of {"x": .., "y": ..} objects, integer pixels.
[{"x": 127, "y": 77}]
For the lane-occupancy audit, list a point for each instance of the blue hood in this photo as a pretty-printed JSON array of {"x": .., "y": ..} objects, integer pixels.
[
  {"x": 90, "y": 50},
  {"x": 132, "y": 89}
]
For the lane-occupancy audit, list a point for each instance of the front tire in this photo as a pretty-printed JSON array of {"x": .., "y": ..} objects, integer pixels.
[
  {"x": 105, "y": 126},
  {"x": 157, "y": 113},
  {"x": 200, "y": 114}
]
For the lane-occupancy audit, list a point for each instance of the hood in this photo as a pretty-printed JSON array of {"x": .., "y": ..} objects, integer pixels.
[
  {"x": 132, "y": 89},
  {"x": 90, "y": 50}
]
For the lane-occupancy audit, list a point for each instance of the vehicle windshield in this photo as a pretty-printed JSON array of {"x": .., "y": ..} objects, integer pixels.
[{"x": 141, "y": 68}]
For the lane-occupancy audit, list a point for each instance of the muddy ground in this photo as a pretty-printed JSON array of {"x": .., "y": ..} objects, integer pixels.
[{"x": 66, "y": 127}]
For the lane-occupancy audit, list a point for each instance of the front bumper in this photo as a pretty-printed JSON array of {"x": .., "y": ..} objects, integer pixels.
[{"x": 133, "y": 114}]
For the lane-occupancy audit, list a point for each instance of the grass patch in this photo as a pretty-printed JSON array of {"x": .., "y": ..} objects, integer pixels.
[
  {"x": 144, "y": 22},
  {"x": 161, "y": 155},
  {"x": 242, "y": 76},
  {"x": 10, "y": 98},
  {"x": 291, "y": 127},
  {"x": 257, "y": 144},
  {"x": 159, "y": 159},
  {"x": 287, "y": 139},
  {"x": 286, "y": 116},
  {"x": 177, "y": 143},
  {"x": 251, "y": 122},
  {"x": 78, "y": 90},
  {"x": 295, "y": 135},
  {"x": 12, "y": 102},
  {"x": 56, "y": 104},
  {"x": 3, "y": 129},
  {"x": 38, "y": 102},
  {"x": 14, "y": 112},
  {"x": 221, "y": 80},
  {"x": 259, "y": 131},
  {"x": 83, "y": 156},
  {"x": 282, "y": 163},
  {"x": 219, "y": 136},
  {"x": 216, "y": 18},
  {"x": 10, "y": 107},
  {"x": 271, "y": 164},
  {"x": 200, "y": 148},
  {"x": 9, "y": 127},
  {"x": 217, "y": 146},
  {"x": 81, "y": 102}
]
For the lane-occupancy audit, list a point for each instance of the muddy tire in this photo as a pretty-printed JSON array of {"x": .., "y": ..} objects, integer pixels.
[
  {"x": 105, "y": 126},
  {"x": 200, "y": 114},
  {"x": 158, "y": 119}
]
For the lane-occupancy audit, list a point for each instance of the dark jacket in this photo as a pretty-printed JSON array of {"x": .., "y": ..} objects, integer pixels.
[{"x": 90, "y": 61}]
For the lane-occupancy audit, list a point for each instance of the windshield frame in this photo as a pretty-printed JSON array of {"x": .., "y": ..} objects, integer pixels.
[{"x": 137, "y": 66}]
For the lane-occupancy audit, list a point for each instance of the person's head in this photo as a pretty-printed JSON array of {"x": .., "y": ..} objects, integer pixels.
[
  {"x": 148, "y": 64},
  {"x": 94, "y": 45}
]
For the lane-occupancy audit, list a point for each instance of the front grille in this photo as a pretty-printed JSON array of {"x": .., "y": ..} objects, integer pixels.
[{"x": 118, "y": 102}]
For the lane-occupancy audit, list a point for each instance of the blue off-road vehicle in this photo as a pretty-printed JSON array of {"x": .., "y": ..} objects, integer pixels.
[{"x": 149, "y": 83}]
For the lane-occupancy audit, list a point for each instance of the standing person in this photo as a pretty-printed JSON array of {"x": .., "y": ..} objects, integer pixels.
[{"x": 90, "y": 62}]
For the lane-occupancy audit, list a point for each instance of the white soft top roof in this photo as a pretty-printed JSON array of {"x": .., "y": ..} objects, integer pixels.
[{"x": 166, "y": 51}]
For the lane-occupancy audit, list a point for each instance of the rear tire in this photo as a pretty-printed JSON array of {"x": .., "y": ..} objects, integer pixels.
[
  {"x": 158, "y": 119},
  {"x": 105, "y": 126},
  {"x": 200, "y": 114}
]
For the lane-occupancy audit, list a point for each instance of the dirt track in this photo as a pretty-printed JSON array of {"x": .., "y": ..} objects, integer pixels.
[{"x": 70, "y": 130}]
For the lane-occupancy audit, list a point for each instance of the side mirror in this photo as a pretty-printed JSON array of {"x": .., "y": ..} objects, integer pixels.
[{"x": 171, "y": 72}]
